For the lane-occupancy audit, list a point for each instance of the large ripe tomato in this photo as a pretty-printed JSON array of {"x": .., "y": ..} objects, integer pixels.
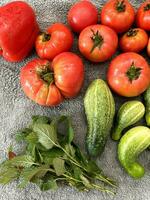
[
  {"x": 143, "y": 16},
  {"x": 57, "y": 39},
  {"x": 48, "y": 83},
  {"x": 118, "y": 14},
  {"x": 134, "y": 40},
  {"x": 129, "y": 74},
  {"x": 98, "y": 43},
  {"x": 81, "y": 15}
]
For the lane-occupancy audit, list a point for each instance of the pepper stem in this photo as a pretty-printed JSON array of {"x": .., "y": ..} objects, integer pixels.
[
  {"x": 45, "y": 37},
  {"x": 97, "y": 40},
  {"x": 120, "y": 6},
  {"x": 147, "y": 7},
  {"x": 133, "y": 72},
  {"x": 45, "y": 74},
  {"x": 132, "y": 32}
]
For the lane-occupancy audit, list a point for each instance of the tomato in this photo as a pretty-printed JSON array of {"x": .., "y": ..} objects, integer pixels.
[
  {"x": 81, "y": 15},
  {"x": 129, "y": 74},
  {"x": 56, "y": 40},
  {"x": 148, "y": 48},
  {"x": 98, "y": 43},
  {"x": 49, "y": 83},
  {"x": 134, "y": 40},
  {"x": 143, "y": 16},
  {"x": 118, "y": 14}
]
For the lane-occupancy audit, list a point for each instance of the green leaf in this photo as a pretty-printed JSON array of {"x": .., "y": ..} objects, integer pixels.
[
  {"x": 64, "y": 123},
  {"x": 20, "y": 161},
  {"x": 59, "y": 166},
  {"x": 70, "y": 132},
  {"x": 40, "y": 120},
  {"x": 47, "y": 135},
  {"x": 77, "y": 172},
  {"x": 8, "y": 174},
  {"x": 70, "y": 149},
  {"x": 32, "y": 138},
  {"x": 28, "y": 173},
  {"x": 50, "y": 184},
  {"x": 33, "y": 151},
  {"x": 49, "y": 156},
  {"x": 22, "y": 134}
]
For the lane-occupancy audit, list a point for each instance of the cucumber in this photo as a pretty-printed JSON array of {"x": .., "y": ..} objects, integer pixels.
[
  {"x": 134, "y": 142},
  {"x": 99, "y": 109},
  {"x": 147, "y": 105},
  {"x": 128, "y": 114}
]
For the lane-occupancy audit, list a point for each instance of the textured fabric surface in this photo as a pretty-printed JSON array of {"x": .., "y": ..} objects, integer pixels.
[{"x": 16, "y": 110}]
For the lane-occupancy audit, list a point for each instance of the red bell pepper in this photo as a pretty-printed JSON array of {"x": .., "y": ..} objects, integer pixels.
[{"x": 18, "y": 30}]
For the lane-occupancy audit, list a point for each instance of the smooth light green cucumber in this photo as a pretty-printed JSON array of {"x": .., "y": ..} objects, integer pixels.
[
  {"x": 128, "y": 114},
  {"x": 100, "y": 109},
  {"x": 147, "y": 105},
  {"x": 134, "y": 142}
]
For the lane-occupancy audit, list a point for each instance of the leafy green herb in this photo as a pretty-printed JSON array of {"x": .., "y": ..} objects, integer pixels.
[
  {"x": 51, "y": 158},
  {"x": 47, "y": 135},
  {"x": 40, "y": 120},
  {"x": 59, "y": 166},
  {"x": 22, "y": 134},
  {"x": 28, "y": 173}
]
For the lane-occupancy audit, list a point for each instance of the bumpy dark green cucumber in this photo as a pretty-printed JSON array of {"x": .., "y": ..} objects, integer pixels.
[
  {"x": 100, "y": 109},
  {"x": 128, "y": 114},
  {"x": 147, "y": 105},
  {"x": 134, "y": 142}
]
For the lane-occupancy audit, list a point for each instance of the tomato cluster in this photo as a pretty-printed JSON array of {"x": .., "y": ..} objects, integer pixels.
[{"x": 48, "y": 83}]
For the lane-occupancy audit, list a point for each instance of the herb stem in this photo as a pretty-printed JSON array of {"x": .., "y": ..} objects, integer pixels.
[{"x": 102, "y": 189}]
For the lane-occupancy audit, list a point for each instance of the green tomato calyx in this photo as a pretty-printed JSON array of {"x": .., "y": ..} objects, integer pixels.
[
  {"x": 133, "y": 72},
  {"x": 97, "y": 40},
  {"x": 45, "y": 73},
  {"x": 132, "y": 32},
  {"x": 120, "y": 6},
  {"x": 147, "y": 7},
  {"x": 45, "y": 37}
]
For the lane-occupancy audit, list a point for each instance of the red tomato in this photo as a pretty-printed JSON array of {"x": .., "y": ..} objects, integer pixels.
[
  {"x": 118, "y": 14},
  {"x": 56, "y": 40},
  {"x": 148, "y": 48},
  {"x": 81, "y": 15},
  {"x": 129, "y": 74},
  {"x": 143, "y": 16},
  {"x": 47, "y": 84},
  {"x": 134, "y": 40},
  {"x": 98, "y": 43},
  {"x": 68, "y": 73}
]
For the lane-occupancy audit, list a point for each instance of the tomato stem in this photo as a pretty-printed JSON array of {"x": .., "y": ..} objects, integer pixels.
[
  {"x": 133, "y": 72},
  {"x": 147, "y": 7},
  {"x": 120, "y": 6},
  {"x": 97, "y": 40},
  {"x": 132, "y": 32},
  {"x": 45, "y": 37},
  {"x": 45, "y": 74}
]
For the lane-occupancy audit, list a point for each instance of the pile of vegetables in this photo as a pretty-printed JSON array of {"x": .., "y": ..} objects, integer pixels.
[{"x": 52, "y": 157}]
